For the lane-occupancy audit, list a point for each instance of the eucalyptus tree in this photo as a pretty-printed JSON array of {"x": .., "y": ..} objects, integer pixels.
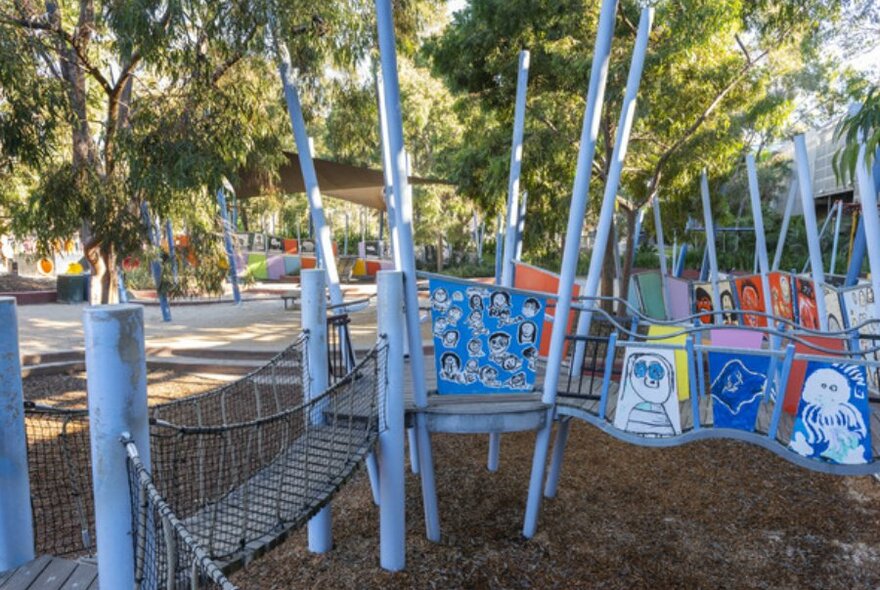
[
  {"x": 717, "y": 73},
  {"x": 109, "y": 105}
]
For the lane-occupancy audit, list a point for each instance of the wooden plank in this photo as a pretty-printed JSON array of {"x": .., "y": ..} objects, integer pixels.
[
  {"x": 55, "y": 575},
  {"x": 22, "y": 578},
  {"x": 82, "y": 577}
]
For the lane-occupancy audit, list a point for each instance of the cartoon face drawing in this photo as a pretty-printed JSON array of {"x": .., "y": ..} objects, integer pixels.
[
  {"x": 499, "y": 306},
  {"x": 703, "y": 303},
  {"x": 498, "y": 342},
  {"x": 727, "y": 303},
  {"x": 475, "y": 302},
  {"x": 527, "y": 333},
  {"x": 650, "y": 378},
  {"x": 785, "y": 289},
  {"x": 471, "y": 371},
  {"x": 454, "y": 314},
  {"x": 828, "y": 425},
  {"x": 518, "y": 381},
  {"x": 475, "y": 348},
  {"x": 440, "y": 326},
  {"x": 510, "y": 362},
  {"x": 489, "y": 376},
  {"x": 531, "y": 307},
  {"x": 450, "y": 339},
  {"x": 808, "y": 316},
  {"x": 451, "y": 364},
  {"x": 440, "y": 299}
]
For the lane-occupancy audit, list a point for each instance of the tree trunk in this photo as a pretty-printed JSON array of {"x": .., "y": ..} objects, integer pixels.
[
  {"x": 102, "y": 283},
  {"x": 623, "y": 280},
  {"x": 439, "y": 253},
  {"x": 606, "y": 288}
]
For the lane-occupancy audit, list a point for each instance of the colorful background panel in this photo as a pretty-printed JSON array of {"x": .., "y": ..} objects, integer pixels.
[
  {"x": 833, "y": 419},
  {"x": 751, "y": 298},
  {"x": 647, "y": 404},
  {"x": 781, "y": 295},
  {"x": 682, "y": 378},
  {"x": 486, "y": 338}
]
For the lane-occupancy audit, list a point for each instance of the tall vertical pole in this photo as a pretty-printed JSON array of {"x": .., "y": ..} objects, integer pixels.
[
  {"x": 661, "y": 251},
  {"x": 117, "y": 400},
  {"x": 760, "y": 237},
  {"x": 403, "y": 212},
  {"x": 227, "y": 242},
  {"x": 169, "y": 237},
  {"x": 836, "y": 240},
  {"x": 392, "y": 517},
  {"x": 16, "y": 520},
  {"x": 571, "y": 251},
  {"x": 786, "y": 218},
  {"x": 156, "y": 264},
  {"x": 307, "y": 166},
  {"x": 857, "y": 254},
  {"x": 809, "y": 206},
  {"x": 709, "y": 224},
  {"x": 516, "y": 150},
  {"x": 868, "y": 199},
  {"x": 637, "y": 235},
  {"x": 590, "y": 286},
  {"x": 314, "y": 319},
  {"x": 499, "y": 247},
  {"x": 521, "y": 226}
]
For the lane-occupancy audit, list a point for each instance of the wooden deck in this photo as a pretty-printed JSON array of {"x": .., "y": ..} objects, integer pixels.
[{"x": 51, "y": 573}]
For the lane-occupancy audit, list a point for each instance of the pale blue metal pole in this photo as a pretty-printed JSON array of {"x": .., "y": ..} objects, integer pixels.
[
  {"x": 868, "y": 199},
  {"x": 590, "y": 286},
  {"x": 117, "y": 400},
  {"x": 637, "y": 234},
  {"x": 857, "y": 256},
  {"x": 227, "y": 241},
  {"x": 499, "y": 247},
  {"x": 834, "y": 244},
  {"x": 809, "y": 206},
  {"x": 16, "y": 520},
  {"x": 682, "y": 254},
  {"x": 786, "y": 218},
  {"x": 399, "y": 180},
  {"x": 169, "y": 237},
  {"x": 392, "y": 505},
  {"x": 314, "y": 319},
  {"x": 760, "y": 237},
  {"x": 710, "y": 245},
  {"x": 521, "y": 226},
  {"x": 661, "y": 251},
  {"x": 387, "y": 163},
  {"x": 516, "y": 151},
  {"x": 578, "y": 208},
  {"x": 307, "y": 166},
  {"x": 825, "y": 223}
]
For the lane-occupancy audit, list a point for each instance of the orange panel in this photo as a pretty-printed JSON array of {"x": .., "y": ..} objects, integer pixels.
[
  {"x": 532, "y": 278},
  {"x": 291, "y": 246},
  {"x": 309, "y": 262}
]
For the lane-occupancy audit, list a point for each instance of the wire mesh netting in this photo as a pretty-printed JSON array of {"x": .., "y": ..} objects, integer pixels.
[
  {"x": 61, "y": 480},
  {"x": 166, "y": 554},
  {"x": 239, "y": 486}
]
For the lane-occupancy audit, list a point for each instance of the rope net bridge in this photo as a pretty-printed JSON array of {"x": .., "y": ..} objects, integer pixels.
[{"x": 233, "y": 470}]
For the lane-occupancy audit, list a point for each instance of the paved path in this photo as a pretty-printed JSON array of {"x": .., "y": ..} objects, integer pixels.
[{"x": 257, "y": 325}]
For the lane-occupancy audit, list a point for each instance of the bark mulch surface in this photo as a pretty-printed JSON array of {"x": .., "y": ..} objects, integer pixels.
[
  {"x": 14, "y": 284},
  {"x": 715, "y": 514}
]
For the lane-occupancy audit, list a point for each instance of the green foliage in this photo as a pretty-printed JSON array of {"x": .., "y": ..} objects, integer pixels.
[{"x": 862, "y": 127}]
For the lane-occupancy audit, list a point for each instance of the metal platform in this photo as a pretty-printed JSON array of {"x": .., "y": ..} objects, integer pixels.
[{"x": 51, "y": 573}]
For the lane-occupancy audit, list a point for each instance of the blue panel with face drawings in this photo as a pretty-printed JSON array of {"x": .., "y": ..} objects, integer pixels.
[{"x": 486, "y": 338}]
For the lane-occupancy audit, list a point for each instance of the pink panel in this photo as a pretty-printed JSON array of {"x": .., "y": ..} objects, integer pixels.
[
  {"x": 678, "y": 305},
  {"x": 275, "y": 267},
  {"x": 736, "y": 338}
]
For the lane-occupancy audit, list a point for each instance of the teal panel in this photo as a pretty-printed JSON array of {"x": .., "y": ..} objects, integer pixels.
[{"x": 651, "y": 290}]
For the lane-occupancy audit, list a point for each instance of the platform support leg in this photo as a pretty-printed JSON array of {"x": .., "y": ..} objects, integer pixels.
[
  {"x": 373, "y": 474},
  {"x": 117, "y": 401},
  {"x": 314, "y": 319},
  {"x": 16, "y": 520},
  {"x": 552, "y": 484},
  {"x": 494, "y": 451},
  {"x": 539, "y": 461},
  {"x": 392, "y": 454},
  {"x": 413, "y": 450}
]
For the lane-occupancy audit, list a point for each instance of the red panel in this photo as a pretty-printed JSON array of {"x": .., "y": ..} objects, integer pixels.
[
  {"x": 291, "y": 246},
  {"x": 751, "y": 298},
  {"x": 309, "y": 262},
  {"x": 799, "y": 368},
  {"x": 532, "y": 278}
]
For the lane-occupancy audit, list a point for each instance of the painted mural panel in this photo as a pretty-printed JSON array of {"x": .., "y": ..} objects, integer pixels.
[
  {"x": 727, "y": 297},
  {"x": 651, "y": 294},
  {"x": 807, "y": 312},
  {"x": 781, "y": 295},
  {"x": 737, "y": 383},
  {"x": 751, "y": 298},
  {"x": 833, "y": 418},
  {"x": 703, "y": 301},
  {"x": 832, "y": 308},
  {"x": 647, "y": 404},
  {"x": 682, "y": 378},
  {"x": 799, "y": 368},
  {"x": 858, "y": 308},
  {"x": 485, "y": 338}
]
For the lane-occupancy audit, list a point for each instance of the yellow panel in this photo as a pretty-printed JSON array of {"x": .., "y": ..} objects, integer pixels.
[
  {"x": 682, "y": 377},
  {"x": 360, "y": 268}
]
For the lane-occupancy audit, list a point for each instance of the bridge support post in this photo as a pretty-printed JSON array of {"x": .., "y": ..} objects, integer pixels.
[
  {"x": 117, "y": 401},
  {"x": 392, "y": 520},
  {"x": 16, "y": 520},
  {"x": 314, "y": 319}
]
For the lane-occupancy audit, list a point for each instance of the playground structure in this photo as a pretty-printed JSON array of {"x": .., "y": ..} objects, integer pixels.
[{"x": 535, "y": 351}]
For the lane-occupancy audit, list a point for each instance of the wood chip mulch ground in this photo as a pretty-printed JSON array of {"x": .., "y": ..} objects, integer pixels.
[{"x": 714, "y": 514}]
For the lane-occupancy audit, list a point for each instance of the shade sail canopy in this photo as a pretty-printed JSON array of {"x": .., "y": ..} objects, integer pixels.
[{"x": 355, "y": 184}]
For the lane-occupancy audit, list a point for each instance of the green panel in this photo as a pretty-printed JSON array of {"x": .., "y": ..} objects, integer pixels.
[
  {"x": 651, "y": 290},
  {"x": 258, "y": 266}
]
